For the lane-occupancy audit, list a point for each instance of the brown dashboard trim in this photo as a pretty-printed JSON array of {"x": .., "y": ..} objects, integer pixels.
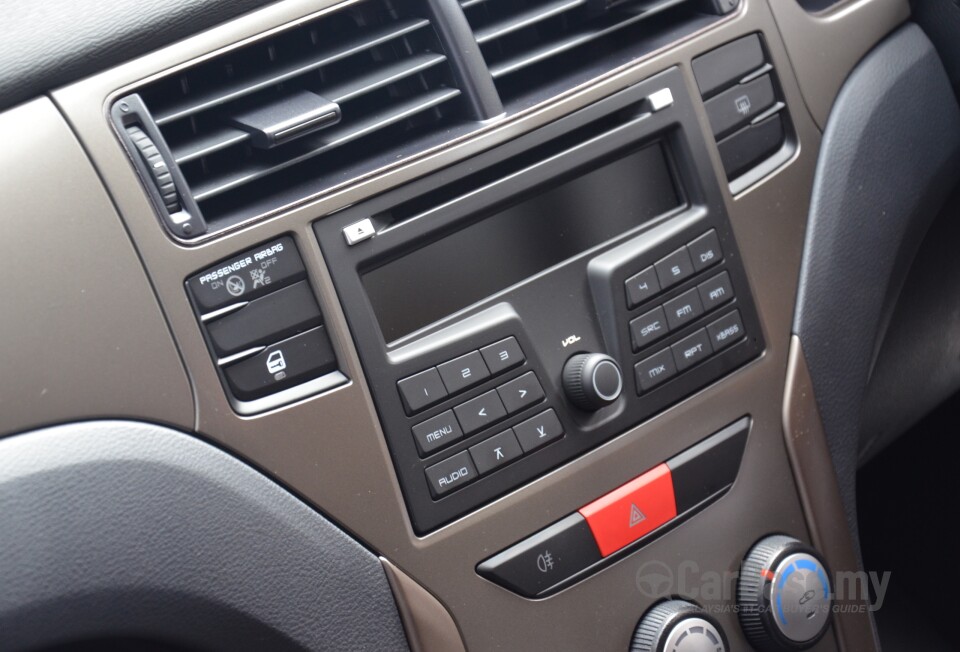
[
  {"x": 428, "y": 624},
  {"x": 820, "y": 493},
  {"x": 330, "y": 449}
]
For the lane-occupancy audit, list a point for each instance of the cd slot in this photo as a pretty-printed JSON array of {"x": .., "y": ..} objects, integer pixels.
[{"x": 447, "y": 194}]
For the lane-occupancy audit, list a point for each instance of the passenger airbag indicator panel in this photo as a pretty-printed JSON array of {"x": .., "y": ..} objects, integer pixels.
[{"x": 264, "y": 327}]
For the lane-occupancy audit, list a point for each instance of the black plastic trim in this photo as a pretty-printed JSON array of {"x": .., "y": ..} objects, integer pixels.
[
  {"x": 889, "y": 157},
  {"x": 122, "y": 529}
]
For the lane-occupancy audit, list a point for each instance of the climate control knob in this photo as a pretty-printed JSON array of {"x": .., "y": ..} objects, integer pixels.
[
  {"x": 784, "y": 595},
  {"x": 592, "y": 380},
  {"x": 678, "y": 626}
]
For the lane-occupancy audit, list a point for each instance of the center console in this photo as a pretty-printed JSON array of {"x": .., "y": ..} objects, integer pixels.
[
  {"x": 534, "y": 356},
  {"x": 470, "y": 295}
]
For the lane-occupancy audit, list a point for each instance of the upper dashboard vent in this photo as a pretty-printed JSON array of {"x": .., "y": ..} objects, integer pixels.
[
  {"x": 284, "y": 117},
  {"x": 535, "y": 44}
]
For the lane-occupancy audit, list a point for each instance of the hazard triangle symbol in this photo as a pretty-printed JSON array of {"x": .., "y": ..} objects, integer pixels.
[{"x": 636, "y": 515}]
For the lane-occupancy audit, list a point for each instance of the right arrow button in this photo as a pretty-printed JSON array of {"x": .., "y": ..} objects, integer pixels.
[{"x": 521, "y": 392}]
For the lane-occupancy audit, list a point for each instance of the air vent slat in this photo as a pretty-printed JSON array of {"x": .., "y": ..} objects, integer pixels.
[
  {"x": 536, "y": 48},
  {"x": 207, "y": 144},
  {"x": 381, "y": 77},
  {"x": 275, "y": 75},
  {"x": 322, "y": 142},
  {"x": 554, "y": 48},
  {"x": 295, "y": 112},
  {"x": 525, "y": 19}
]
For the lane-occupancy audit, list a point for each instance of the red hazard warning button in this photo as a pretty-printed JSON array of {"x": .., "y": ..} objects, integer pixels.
[{"x": 632, "y": 510}]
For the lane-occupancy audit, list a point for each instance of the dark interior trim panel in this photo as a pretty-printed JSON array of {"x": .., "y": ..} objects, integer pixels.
[
  {"x": 190, "y": 547},
  {"x": 889, "y": 156},
  {"x": 47, "y": 46}
]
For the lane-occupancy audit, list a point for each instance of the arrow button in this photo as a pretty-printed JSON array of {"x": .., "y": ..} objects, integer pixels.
[
  {"x": 480, "y": 412},
  {"x": 496, "y": 451},
  {"x": 521, "y": 393},
  {"x": 538, "y": 431}
]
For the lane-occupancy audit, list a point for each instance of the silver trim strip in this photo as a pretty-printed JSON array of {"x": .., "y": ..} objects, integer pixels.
[{"x": 306, "y": 390}]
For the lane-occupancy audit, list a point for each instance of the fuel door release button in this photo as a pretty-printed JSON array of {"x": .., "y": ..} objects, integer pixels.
[
  {"x": 545, "y": 559},
  {"x": 282, "y": 365}
]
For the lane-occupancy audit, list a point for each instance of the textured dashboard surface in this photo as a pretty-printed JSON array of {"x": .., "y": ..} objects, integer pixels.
[
  {"x": 47, "y": 44},
  {"x": 120, "y": 528},
  {"x": 83, "y": 335},
  {"x": 889, "y": 157}
]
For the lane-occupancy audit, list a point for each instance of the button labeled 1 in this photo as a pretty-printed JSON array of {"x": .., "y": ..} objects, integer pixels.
[{"x": 420, "y": 390}]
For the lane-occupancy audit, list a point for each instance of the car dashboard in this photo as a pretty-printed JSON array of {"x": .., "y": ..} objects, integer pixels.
[{"x": 443, "y": 324}]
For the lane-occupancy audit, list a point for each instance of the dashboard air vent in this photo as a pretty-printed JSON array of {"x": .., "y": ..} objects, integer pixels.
[
  {"x": 284, "y": 117},
  {"x": 533, "y": 45}
]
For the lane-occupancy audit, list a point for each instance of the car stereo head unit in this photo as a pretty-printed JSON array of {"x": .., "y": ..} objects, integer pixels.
[{"x": 520, "y": 308}]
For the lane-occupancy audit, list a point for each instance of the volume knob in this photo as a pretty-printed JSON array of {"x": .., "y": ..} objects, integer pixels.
[{"x": 592, "y": 380}]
